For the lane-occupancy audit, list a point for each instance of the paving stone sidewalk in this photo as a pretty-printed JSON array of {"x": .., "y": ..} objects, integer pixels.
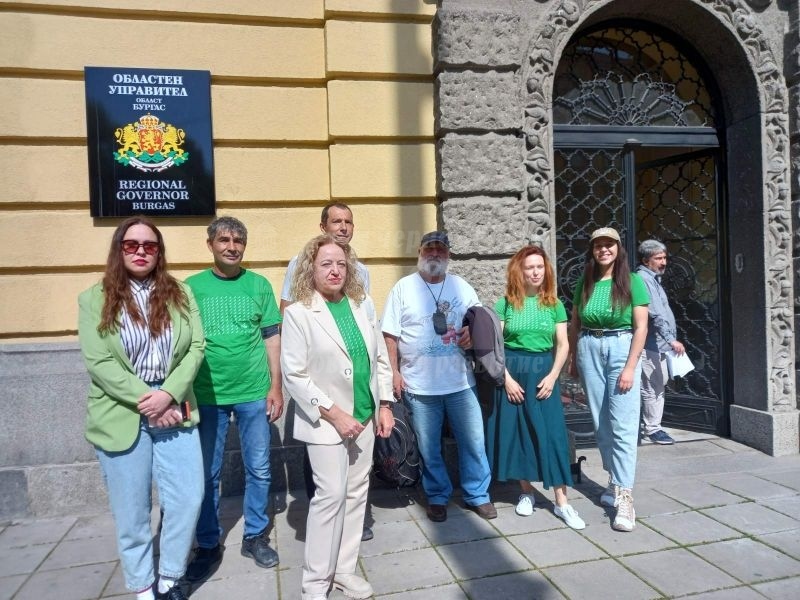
[{"x": 716, "y": 520}]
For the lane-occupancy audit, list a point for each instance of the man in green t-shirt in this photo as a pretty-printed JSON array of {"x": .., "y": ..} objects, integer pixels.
[{"x": 241, "y": 322}]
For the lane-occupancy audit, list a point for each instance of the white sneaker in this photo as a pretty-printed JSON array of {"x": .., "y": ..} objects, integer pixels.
[
  {"x": 525, "y": 505},
  {"x": 610, "y": 497},
  {"x": 626, "y": 516},
  {"x": 570, "y": 516}
]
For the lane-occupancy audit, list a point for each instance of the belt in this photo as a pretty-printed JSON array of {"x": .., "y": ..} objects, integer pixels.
[{"x": 598, "y": 333}]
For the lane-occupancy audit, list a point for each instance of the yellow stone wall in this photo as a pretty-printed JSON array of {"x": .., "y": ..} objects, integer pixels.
[{"x": 312, "y": 101}]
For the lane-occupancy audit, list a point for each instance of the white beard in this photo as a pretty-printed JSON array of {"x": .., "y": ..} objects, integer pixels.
[{"x": 432, "y": 267}]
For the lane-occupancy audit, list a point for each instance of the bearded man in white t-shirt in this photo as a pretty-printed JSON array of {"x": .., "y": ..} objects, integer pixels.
[{"x": 422, "y": 325}]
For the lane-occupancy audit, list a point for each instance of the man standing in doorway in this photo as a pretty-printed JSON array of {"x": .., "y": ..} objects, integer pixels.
[
  {"x": 661, "y": 338},
  {"x": 336, "y": 220},
  {"x": 422, "y": 325},
  {"x": 240, "y": 376}
]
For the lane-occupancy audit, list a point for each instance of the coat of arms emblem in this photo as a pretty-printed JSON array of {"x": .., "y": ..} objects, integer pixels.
[{"x": 150, "y": 145}]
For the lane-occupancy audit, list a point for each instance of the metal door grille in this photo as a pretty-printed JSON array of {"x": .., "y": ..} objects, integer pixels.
[
  {"x": 677, "y": 205},
  {"x": 632, "y": 77},
  {"x": 589, "y": 193},
  {"x": 631, "y": 104}
]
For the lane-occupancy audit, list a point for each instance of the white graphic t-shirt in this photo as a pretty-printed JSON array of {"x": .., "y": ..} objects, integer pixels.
[{"x": 430, "y": 363}]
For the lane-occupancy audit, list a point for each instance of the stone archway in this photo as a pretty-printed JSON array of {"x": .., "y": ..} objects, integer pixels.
[{"x": 764, "y": 412}]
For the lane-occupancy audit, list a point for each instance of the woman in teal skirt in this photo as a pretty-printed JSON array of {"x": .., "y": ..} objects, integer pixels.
[{"x": 526, "y": 435}]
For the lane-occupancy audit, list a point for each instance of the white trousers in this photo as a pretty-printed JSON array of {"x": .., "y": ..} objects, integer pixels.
[
  {"x": 336, "y": 513},
  {"x": 654, "y": 379}
]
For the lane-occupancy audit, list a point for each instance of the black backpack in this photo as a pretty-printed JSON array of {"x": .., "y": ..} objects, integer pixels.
[{"x": 396, "y": 459}]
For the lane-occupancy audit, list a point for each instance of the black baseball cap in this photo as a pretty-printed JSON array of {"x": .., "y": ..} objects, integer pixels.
[{"x": 435, "y": 237}]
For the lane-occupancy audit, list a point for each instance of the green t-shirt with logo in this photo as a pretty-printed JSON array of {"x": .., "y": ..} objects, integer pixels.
[
  {"x": 532, "y": 327},
  {"x": 598, "y": 312},
  {"x": 363, "y": 402},
  {"x": 233, "y": 311}
]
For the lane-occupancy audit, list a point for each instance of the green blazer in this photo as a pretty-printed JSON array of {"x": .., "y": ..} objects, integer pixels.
[{"x": 112, "y": 420}]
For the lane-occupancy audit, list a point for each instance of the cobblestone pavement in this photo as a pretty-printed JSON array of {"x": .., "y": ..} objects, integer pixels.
[{"x": 716, "y": 520}]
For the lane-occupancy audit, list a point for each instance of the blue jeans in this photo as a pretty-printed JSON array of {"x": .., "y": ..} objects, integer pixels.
[
  {"x": 615, "y": 415},
  {"x": 172, "y": 457},
  {"x": 251, "y": 419},
  {"x": 464, "y": 415}
]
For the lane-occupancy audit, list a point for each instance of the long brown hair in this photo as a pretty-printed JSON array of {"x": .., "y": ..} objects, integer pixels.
[
  {"x": 620, "y": 278},
  {"x": 515, "y": 282},
  {"x": 117, "y": 289},
  {"x": 303, "y": 278}
]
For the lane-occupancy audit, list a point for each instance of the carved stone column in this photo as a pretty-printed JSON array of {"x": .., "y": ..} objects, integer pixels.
[
  {"x": 480, "y": 148},
  {"x": 792, "y": 68}
]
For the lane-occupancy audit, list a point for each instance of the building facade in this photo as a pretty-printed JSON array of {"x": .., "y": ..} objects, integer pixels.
[
  {"x": 675, "y": 120},
  {"x": 501, "y": 121},
  {"x": 312, "y": 101}
]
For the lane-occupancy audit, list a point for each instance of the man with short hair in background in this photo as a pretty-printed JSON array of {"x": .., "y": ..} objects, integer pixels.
[
  {"x": 337, "y": 220},
  {"x": 662, "y": 332},
  {"x": 239, "y": 376}
]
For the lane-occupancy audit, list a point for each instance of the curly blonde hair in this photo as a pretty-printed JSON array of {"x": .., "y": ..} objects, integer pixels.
[{"x": 302, "y": 289}]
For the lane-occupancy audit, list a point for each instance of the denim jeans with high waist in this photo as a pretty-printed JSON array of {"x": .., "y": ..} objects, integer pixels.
[
  {"x": 253, "y": 425},
  {"x": 615, "y": 415},
  {"x": 464, "y": 416},
  {"x": 171, "y": 456}
]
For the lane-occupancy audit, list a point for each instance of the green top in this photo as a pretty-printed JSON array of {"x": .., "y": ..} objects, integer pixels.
[
  {"x": 598, "y": 314},
  {"x": 532, "y": 327},
  {"x": 363, "y": 402},
  {"x": 233, "y": 312}
]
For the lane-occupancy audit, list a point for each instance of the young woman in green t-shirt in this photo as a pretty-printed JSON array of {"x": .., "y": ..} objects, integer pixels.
[
  {"x": 607, "y": 334},
  {"x": 526, "y": 434}
]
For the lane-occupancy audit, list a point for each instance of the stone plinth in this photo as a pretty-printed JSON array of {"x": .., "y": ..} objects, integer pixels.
[{"x": 776, "y": 433}]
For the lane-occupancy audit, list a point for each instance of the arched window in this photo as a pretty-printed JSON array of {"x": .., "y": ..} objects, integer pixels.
[{"x": 629, "y": 77}]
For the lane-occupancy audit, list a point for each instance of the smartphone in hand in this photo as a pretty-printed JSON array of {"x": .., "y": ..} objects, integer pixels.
[{"x": 186, "y": 410}]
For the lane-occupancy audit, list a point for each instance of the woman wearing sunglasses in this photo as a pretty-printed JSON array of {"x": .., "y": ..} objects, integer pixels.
[
  {"x": 607, "y": 335},
  {"x": 142, "y": 342}
]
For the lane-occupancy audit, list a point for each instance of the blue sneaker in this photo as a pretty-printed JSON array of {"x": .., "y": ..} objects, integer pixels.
[{"x": 661, "y": 437}]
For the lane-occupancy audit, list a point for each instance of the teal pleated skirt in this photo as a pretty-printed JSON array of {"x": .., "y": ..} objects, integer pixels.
[{"x": 529, "y": 441}]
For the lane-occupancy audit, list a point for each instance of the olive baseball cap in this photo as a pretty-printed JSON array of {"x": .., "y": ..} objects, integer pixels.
[{"x": 606, "y": 232}]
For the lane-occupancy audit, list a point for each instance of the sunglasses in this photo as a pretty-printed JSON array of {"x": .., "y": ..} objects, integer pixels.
[{"x": 132, "y": 247}]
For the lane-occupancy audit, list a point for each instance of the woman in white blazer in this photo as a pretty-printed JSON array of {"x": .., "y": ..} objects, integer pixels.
[{"x": 336, "y": 370}]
